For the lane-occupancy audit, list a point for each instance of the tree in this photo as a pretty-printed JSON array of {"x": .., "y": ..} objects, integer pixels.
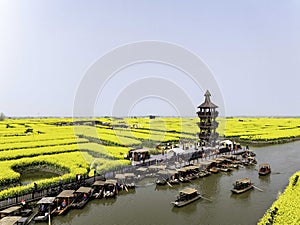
[{"x": 2, "y": 116}]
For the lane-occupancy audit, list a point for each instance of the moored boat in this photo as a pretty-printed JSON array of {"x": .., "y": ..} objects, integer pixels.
[
  {"x": 98, "y": 189},
  {"x": 214, "y": 170},
  {"x": 110, "y": 188},
  {"x": 63, "y": 202},
  {"x": 46, "y": 206},
  {"x": 242, "y": 185},
  {"x": 186, "y": 196},
  {"x": 83, "y": 195},
  {"x": 264, "y": 169}
]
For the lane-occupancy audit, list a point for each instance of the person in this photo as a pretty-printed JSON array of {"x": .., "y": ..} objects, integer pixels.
[
  {"x": 84, "y": 196},
  {"x": 64, "y": 203},
  {"x": 23, "y": 202}
]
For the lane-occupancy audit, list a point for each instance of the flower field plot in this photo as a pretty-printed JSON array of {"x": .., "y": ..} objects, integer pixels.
[
  {"x": 84, "y": 145},
  {"x": 286, "y": 209},
  {"x": 263, "y": 130}
]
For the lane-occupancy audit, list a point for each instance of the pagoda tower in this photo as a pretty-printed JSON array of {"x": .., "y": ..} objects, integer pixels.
[{"x": 208, "y": 124}]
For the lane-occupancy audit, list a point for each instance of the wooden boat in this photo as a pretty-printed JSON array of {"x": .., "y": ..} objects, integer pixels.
[
  {"x": 98, "y": 189},
  {"x": 264, "y": 169},
  {"x": 203, "y": 173},
  {"x": 225, "y": 168},
  {"x": 11, "y": 211},
  {"x": 82, "y": 196},
  {"x": 174, "y": 177},
  {"x": 126, "y": 181},
  {"x": 248, "y": 153},
  {"x": 214, "y": 170},
  {"x": 249, "y": 161},
  {"x": 129, "y": 181},
  {"x": 186, "y": 196},
  {"x": 46, "y": 206},
  {"x": 11, "y": 220},
  {"x": 242, "y": 185},
  {"x": 63, "y": 202},
  {"x": 182, "y": 175},
  {"x": 110, "y": 188}
]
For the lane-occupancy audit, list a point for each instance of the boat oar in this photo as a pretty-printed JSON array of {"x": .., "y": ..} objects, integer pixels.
[
  {"x": 126, "y": 189},
  {"x": 167, "y": 182},
  {"x": 258, "y": 188},
  {"x": 205, "y": 198}
]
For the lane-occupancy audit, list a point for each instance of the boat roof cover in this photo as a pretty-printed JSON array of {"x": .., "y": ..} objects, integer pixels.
[
  {"x": 183, "y": 169},
  {"x": 66, "y": 194},
  {"x": 158, "y": 167},
  {"x": 264, "y": 165},
  {"x": 188, "y": 191},
  {"x": 99, "y": 183},
  {"x": 111, "y": 181},
  {"x": 10, "y": 210},
  {"x": 193, "y": 167},
  {"x": 10, "y": 220},
  {"x": 129, "y": 174},
  {"x": 245, "y": 180},
  {"x": 142, "y": 169},
  {"x": 46, "y": 200},
  {"x": 206, "y": 163},
  {"x": 84, "y": 190},
  {"x": 120, "y": 176}
]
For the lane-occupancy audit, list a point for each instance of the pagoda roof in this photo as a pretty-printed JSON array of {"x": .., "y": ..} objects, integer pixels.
[{"x": 207, "y": 103}]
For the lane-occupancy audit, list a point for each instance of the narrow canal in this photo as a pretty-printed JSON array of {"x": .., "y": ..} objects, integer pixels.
[{"x": 148, "y": 205}]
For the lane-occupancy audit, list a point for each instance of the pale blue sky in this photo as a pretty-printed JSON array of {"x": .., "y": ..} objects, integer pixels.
[{"x": 252, "y": 48}]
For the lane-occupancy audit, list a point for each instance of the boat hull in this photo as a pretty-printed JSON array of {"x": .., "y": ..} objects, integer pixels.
[
  {"x": 240, "y": 191},
  {"x": 264, "y": 173},
  {"x": 183, "y": 203}
]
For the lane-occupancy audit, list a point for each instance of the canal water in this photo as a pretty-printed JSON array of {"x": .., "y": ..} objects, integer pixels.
[{"x": 149, "y": 205}]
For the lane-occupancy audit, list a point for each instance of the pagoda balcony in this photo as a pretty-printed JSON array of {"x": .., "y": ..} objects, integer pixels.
[
  {"x": 212, "y": 125},
  {"x": 208, "y": 135},
  {"x": 208, "y": 114}
]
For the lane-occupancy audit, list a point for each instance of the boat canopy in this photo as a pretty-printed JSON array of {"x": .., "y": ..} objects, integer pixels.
[
  {"x": 111, "y": 181},
  {"x": 188, "y": 191},
  {"x": 10, "y": 220},
  {"x": 206, "y": 163},
  {"x": 10, "y": 210},
  {"x": 129, "y": 174},
  {"x": 157, "y": 167},
  {"x": 168, "y": 172},
  {"x": 183, "y": 169},
  {"x": 66, "y": 194},
  {"x": 46, "y": 200},
  {"x": 142, "y": 169},
  {"x": 245, "y": 180},
  {"x": 120, "y": 176},
  {"x": 99, "y": 183},
  {"x": 266, "y": 165},
  {"x": 193, "y": 167},
  {"x": 84, "y": 190}
]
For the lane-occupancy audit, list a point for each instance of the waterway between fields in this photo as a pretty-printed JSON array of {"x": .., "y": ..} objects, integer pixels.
[{"x": 148, "y": 205}]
